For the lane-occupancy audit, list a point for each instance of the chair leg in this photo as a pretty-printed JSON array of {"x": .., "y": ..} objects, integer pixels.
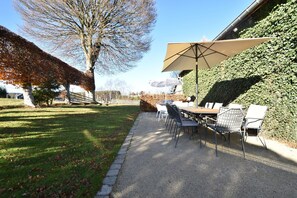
[
  {"x": 263, "y": 142},
  {"x": 205, "y": 135},
  {"x": 200, "y": 137},
  {"x": 174, "y": 131},
  {"x": 166, "y": 117},
  {"x": 192, "y": 133},
  {"x": 170, "y": 125},
  {"x": 215, "y": 135},
  {"x": 160, "y": 116},
  {"x": 223, "y": 136},
  {"x": 245, "y": 135},
  {"x": 177, "y": 137},
  {"x": 166, "y": 121},
  {"x": 242, "y": 144}
]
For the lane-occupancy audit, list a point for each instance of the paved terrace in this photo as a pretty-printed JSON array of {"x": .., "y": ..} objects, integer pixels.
[{"x": 154, "y": 168}]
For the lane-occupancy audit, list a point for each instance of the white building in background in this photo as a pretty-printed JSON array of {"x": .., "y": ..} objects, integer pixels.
[{"x": 12, "y": 91}]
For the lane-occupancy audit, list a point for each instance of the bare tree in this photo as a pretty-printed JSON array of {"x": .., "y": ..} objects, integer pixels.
[
  {"x": 117, "y": 85},
  {"x": 109, "y": 35}
]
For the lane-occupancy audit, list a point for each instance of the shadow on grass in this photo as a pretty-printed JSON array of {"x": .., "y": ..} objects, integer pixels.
[{"x": 60, "y": 151}]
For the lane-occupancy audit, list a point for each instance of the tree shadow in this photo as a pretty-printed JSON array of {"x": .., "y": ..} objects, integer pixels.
[
  {"x": 55, "y": 146},
  {"x": 227, "y": 91}
]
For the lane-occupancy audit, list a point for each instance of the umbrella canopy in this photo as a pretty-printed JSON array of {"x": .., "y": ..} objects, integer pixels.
[
  {"x": 166, "y": 82},
  {"x": 204, "y": 55}
]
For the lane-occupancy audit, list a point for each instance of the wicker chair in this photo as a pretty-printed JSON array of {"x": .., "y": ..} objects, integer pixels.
[
  {"x": 254, "y": 119},
  {"x": 180, "y": 122},
  {"x": 209, "y": 105},
  {"x": 161, "y": 112},
  {"x": 229, "y": 120},
  {"x": 217, "y": 105},
  {"x": 234, "y": 105}
]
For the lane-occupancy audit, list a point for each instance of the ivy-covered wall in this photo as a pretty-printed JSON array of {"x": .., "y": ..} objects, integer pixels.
[{"x": 264, "y": 75}]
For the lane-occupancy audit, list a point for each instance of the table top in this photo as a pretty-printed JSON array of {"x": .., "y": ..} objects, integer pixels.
[{"x": 200, "y": 110}]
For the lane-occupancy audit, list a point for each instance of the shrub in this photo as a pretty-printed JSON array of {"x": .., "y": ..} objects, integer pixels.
[
  {"x": 46, "y": 92},
  {"x": 3, "y": 92}
]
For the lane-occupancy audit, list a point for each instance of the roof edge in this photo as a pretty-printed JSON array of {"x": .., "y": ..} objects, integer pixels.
[{"x": 249, "y": 10}]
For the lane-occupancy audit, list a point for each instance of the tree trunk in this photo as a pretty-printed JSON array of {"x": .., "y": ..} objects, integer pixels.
[
  {"x": 68, "y": 96},
  {"x": 91, "y": 94},
  {"x": 90, "y": 74},
  {"x": 28, "y": 96}
]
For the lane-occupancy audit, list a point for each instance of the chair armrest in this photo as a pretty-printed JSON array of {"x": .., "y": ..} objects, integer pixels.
[
  {"x": 209, "y": 120},
  {"x": 254, "y": 120}
]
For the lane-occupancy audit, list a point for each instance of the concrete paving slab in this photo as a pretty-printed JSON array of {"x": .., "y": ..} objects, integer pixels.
[{"x": 154, "y": 168}]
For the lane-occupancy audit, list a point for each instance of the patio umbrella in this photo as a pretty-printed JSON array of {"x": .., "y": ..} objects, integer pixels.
[
  {"x": 204, "y": 55},
  {"x": 168, "y": 82}
]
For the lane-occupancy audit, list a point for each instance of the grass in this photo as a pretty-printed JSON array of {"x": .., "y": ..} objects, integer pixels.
[
  {"x": 10, "y": 103},
  {"x": 60, "y": 151}
]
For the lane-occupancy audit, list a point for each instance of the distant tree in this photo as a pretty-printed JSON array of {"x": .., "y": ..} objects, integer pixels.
[
  {"x": 46, "y": 92},
  {"x": 116, "y": 85},
  {"x": 111, "y": 35}
]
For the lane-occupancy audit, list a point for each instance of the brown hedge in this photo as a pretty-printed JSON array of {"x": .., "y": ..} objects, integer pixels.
[
  {"x": 148, "y": 102},
  {"x": 23, "y": 62}
]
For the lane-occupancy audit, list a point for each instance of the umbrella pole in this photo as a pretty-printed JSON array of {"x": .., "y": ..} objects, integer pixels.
[
  {"x": 196, "y": 73},
  {"x": 196, "y": 84}
]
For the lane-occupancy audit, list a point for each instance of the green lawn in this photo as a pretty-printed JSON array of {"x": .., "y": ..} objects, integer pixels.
[
  {"x": 10, "y": 103},
  {"x": 60, "y": 151}
]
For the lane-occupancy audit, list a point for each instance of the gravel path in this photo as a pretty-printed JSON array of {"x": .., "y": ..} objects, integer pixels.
[{"x": 154, "y": 168}]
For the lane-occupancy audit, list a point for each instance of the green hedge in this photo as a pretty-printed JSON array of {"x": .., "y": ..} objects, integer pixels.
[{"x": 265, "y": 75}]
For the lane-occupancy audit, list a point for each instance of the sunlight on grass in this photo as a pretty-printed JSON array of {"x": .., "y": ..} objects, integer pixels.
[
  {"x": 60, "y": 151},
  {"x": 10, "y": 102},
  {"x": 91, "y": 138},
  {"x": 15, "y": 124}
]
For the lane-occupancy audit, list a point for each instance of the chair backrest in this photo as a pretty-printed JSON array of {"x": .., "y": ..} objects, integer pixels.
[
  {"x": 191, "y": 104},
  {"x": 229, "y": 119},
  {"x": 169, "y": 110},
  {"x": 177, "y": 103},
  {"x": 217, "y": 105},
  {"x": 233, "y": 105},
  {"x": 183, "y": 104},
  {"x": 254, "y": 116},
  {"x": 161, "y": 107},
  {"x": 173, "y": 112},
  {"x": 208, "y": 105},
  {"x": 166, "y": 101}
]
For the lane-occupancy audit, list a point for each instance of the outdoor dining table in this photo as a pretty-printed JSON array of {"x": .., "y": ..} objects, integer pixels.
[
  {"x": 200, "y": 114},
  {"x": 199, "y": 111}
]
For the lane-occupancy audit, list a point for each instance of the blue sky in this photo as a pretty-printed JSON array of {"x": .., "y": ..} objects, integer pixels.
[{"x": 177, "y": 21}]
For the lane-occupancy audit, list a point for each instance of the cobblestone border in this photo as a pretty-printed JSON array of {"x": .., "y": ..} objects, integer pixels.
[{"x": 112, "y": 175}]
